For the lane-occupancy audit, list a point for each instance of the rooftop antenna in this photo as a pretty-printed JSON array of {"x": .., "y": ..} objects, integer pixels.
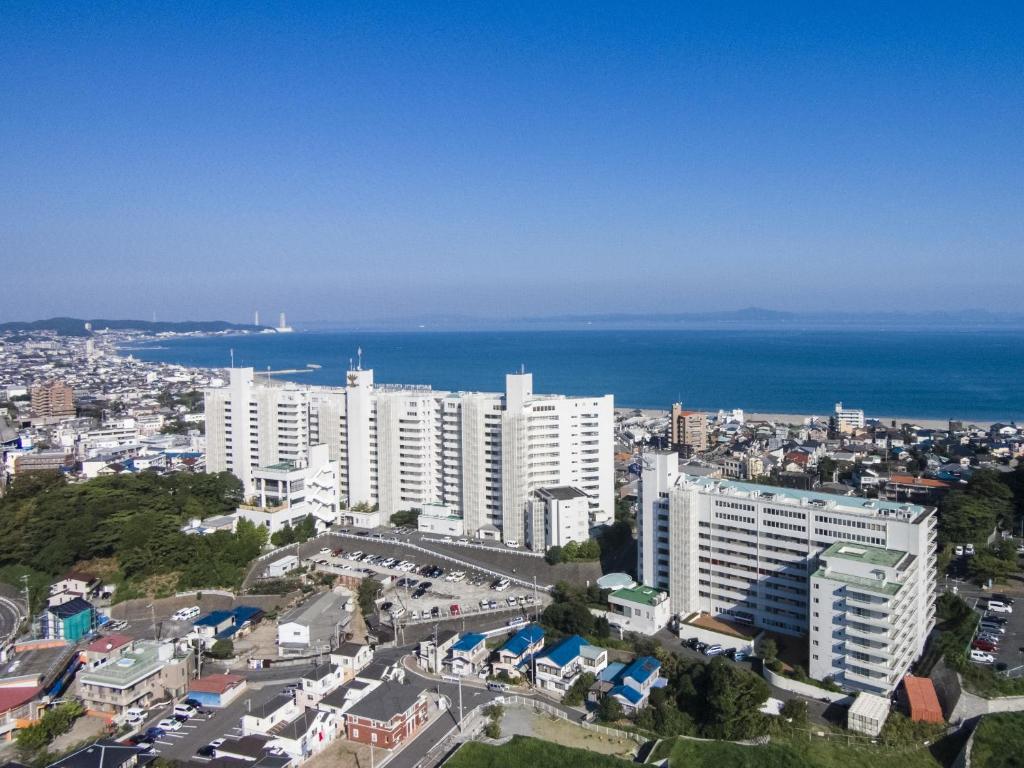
[
  {"x": 232, "y": 357},
  {"x": 359, "y": 356},
  {"x": 522, "y": 367},
  {"x": 350, "y": 363}
]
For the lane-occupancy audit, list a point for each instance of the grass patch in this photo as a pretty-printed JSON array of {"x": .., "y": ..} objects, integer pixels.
[
  {"x": 524, "y": 752},
  {"x": 985, "y": 681},
  {"x": 999, "y": 741}
]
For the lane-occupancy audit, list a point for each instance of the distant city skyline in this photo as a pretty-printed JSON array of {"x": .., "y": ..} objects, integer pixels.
[{"x": 375, "y": 160}]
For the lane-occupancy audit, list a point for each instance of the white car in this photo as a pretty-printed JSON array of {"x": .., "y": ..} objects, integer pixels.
[
  {"x": 996, "y": 607},
  {"x": 216, "y": 743},
  {"x": 512, "y": 544},
  {"x": 169, "y": 724},
  {"x": 325, "y": 550},
  {"x": 134, "y": 721},
  {"x": 981, "y": 657},
  {"x": 969, "y": 550},
  {"x": 959, "y": 551}
]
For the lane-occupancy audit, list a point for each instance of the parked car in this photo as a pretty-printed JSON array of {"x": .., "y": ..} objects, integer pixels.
[
  {"x": 982, "y": 657},
  {"x": 997, "y": 607},
  {"x": 1002, "y": 598},
  {"x": 154, "y": 732},
  {"x": 994, "y": 618},
  {"x": 958, "y": 550},
  {"x": 995, "y": 629},
  {"x": 984, "y": 645},
  {"x": 969, "y": 550},
  {"x": 185, "y": 709},
  {"x": 207, "y": 750},
  {"x": 169, "y": 724},
  {"x": 454, "y": 609},
  {"x": 714, "y": 650},
  {"x": 517, "y": 621}
]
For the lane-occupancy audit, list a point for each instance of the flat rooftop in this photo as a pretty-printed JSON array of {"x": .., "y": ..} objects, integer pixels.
[
  {"x": 135, "y": 664},
  {"x": 879, "y": 587},
  {"x": 810, "y": 499},
  {"x": 641, "y": 594},
  {"x": 864, "y": 553}
]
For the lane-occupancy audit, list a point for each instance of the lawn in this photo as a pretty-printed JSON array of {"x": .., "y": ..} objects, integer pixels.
[
  {"x": 524, "y": 752},
  {"x": 999, "y": 741}
]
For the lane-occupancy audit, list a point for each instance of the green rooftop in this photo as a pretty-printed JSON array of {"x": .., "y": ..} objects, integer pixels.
[
  {"x": 281, "y": 466},
  {"x": 864, "y": 553},
  {"x": 641, "y": 594}
]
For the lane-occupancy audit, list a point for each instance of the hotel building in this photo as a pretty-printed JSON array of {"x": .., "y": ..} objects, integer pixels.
[
  {"x": 857, "y": 576},
  {"x": 483, "y": 455}
]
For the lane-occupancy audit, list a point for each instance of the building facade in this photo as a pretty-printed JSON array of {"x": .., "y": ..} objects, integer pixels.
[
  {"x": 402, "y": 447},
  {"x": 688, "y": 431},
  {"x": 53, "y": 400},
  {"x": 747, "y": 552}
]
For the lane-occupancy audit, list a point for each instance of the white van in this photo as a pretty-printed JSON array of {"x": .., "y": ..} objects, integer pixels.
[
  {"x": 184, "y": 709},
  {"x": 187, "y": 614}
]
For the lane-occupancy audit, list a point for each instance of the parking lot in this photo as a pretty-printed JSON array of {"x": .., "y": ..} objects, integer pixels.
[
  {"x": 201, "y": 729},
  {"x": 423, "y": 591},
  {"x": 1010, "y": 654}
]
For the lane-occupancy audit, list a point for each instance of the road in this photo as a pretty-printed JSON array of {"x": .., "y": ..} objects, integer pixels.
[{"x": 11, "y": 612}]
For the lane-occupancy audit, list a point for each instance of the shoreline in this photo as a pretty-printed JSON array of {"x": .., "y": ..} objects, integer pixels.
[
  {"x": 789, "y": 418},
  {"x": 796, "y": 419}
]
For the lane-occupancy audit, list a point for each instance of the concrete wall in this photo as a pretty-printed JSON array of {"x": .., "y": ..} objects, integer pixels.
[
  {"x": 805, "y": 689},
  {"x": 972, "y": 705}
]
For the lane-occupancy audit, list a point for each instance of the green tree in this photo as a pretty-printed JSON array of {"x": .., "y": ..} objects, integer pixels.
[
  {"x": 554, "y": 555},
  {"x": 578, "y": 690},
  {"x": 610, "y": 710},
  {"x": 768, "y": 650},
  {"x": 734, "y": 697},
  {"x": 366, "y": 596},
  {"x": 222, "y": 649},
  {"x": 795, "y": 710}
]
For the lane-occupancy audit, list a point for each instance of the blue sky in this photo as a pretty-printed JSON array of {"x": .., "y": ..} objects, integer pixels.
[{"x": 348, "y": 160}]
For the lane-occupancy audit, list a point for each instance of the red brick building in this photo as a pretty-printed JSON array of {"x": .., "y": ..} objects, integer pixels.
[{"x": 388, "y": 716}]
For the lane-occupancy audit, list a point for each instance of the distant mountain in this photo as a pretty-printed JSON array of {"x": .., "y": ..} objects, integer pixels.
[{"x": 73, "y": 326}]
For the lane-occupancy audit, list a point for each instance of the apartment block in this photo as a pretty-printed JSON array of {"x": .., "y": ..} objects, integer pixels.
[
  {"x": 402, "y": 446},
  {"x": 146, "y": 672},
  {"x": 52, "y": 400},
  {"x": 848, "y": 419},
  {"x": 688, "y": 431},
  {"x": 748, "y": 552}
]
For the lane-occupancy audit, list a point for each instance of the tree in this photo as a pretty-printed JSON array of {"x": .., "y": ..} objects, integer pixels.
[
  {"x": 795, "y": 711},
  {"x": 578, "y": 690},
  {"x": 222, "y": 649},
  {"x": 769, "y": 650},
  {"x": 367, "y": 595},
  {"x": 406, "y": 517},
  {"x": 610, "y": 710},
  {"x": 827, "y": 470},
  {"x": 734, "y": 697},
  {"x": 554, "y": 555}
]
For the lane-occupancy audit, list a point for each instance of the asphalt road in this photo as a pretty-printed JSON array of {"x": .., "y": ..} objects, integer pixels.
[{"x": 11, "y": 611}]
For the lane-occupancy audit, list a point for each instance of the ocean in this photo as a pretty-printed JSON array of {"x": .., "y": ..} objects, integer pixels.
[{"x": 922, "y": 374}]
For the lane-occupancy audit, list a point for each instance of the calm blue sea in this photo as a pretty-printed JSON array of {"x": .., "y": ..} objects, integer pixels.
[{"x": 924, "y": 374}]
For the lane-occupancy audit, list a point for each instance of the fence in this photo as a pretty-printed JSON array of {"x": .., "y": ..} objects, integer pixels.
[{"x": 471, "y": 545}]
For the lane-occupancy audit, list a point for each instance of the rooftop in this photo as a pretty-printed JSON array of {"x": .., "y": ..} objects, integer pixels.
[
  {"x": 640, "y": 594},
  {"x": 885, "y": 588},
  {"x": 848, "y": 504},
  {"x": 105, "y": 753},
  {"x": 864, "y": 553},
  {"x": 386, "y": 701},
  {"x": 469, "y": 642},
  {"x": 135, "y": 664},
  {"x": 216, "y": 683},
  {"x": 108, "y": 643},
  {"x": 560, "y": 492}
]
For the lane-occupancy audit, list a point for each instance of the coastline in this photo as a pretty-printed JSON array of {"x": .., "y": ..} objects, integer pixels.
[{"x": 796, "y": 419}]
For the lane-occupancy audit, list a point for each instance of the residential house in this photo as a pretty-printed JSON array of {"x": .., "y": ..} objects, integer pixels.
[
  {"x": 260, "y": 720},
  {"x": 105, "y": 649},
  {"x": 352, "y": 658},
  {"x": 146, "y": 672},
  {"x": 105, "y": 753},
  {"x": 315, "y": 684},
  {"x": 639, "y": 609},
  {"x": 306, "y": 734},
  {"x": 431, "y": 653},
  {"x": 71, "y": 620},
  {"x": 514, "y": 656},
  {"x": 630, "y": 684},
  {"x": 558, "y": 667},
  {"x": 468, "y": 655},
  {"x": 388, "y": 716},
  {"x": 74, "y": 584},
  {"x": 227, "y": 625},
  {"x": 217, "y": 691},
  {"x": 316, "y": 625}
]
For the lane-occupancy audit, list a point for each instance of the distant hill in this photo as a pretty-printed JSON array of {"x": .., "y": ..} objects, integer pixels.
[{"x": 73, "y": 326}]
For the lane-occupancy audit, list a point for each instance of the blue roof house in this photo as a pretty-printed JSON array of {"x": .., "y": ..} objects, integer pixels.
[
  {"x": 468, "y": 655},
  {"x": 515, "y": 655},
  {"x": 630, "y": 684},
  {"x": 558, "y": 667}
]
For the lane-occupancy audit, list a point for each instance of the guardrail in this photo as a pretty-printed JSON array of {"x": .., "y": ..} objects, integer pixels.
[{"x": 485, "y": 547}]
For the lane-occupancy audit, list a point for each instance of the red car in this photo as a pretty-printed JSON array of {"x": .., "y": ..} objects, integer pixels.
[
  {"x": 455, "y": 610},
  {"x": 985, "y": 645}
]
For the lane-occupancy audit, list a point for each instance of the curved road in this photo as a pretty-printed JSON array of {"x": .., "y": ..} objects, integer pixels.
[{"x": 12, "y": 609}]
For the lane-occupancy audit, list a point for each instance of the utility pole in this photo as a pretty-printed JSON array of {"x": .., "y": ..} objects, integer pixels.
[
  {"x": 437, "y": 662},
  {"x": 28, "y": 605},
  {"x": 460, "y": 703}
]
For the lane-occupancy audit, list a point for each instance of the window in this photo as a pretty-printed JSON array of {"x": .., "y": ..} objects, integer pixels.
[
  {"x": 355, "y": 732},
  {"x": 373, "y": 737}
]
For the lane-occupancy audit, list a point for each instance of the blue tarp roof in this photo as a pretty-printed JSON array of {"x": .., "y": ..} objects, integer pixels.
[
  {"x": 244, "y": 613},
  {"x": 611, "y": 672},
  {"x": 469, "y": 642},
  {"x": 521, "y": 641}
]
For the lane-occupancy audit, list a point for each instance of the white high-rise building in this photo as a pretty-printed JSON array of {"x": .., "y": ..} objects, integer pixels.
[
  {"x": 481, "y": 454},
  {"x": 848, "y": 419},
  {"x": 764, "y": 556}
]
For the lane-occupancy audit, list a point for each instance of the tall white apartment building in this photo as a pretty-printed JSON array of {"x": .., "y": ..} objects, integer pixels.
[
  {"x": 753, "y": 553},
  {"x": 481, "y": 454},
  {"x": 848, "y": 419}
]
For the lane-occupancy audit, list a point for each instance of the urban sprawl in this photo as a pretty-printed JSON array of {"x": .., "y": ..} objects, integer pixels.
[{"x": 221, "y": 566}]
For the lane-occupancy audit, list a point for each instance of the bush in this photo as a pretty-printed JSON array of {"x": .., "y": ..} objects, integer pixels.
[
  {"x": 610, "y": 710},
  {"x": 222, "y": 649},
  {"x": 554, "y": 555},
  {"x": 367, "y": 596},
  {"x": 492, "y": 730},
  {"x": 55, "y": 722}
]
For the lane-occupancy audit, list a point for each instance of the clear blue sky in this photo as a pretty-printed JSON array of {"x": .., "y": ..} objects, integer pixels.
[{"x": 364, "y": 160}]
